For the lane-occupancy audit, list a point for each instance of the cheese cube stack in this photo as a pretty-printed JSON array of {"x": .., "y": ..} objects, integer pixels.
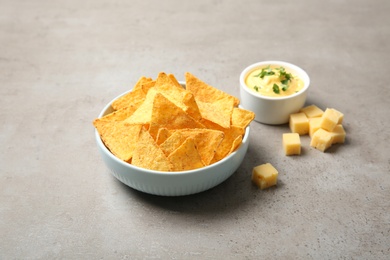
[
  {"x": 291, "y": 144},
  {"x": 324, "y": 128},
  {"x": 264, "y": 176},
  {"x": 327, "y": 129}
]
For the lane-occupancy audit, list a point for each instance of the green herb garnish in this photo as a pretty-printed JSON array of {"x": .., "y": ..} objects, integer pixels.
[
  {"x": 256, "y": 88},
  {"x": 276, "y": 89},
  {"x": 267, "y": 71},
  {"x": 284, "y": 76},
  {"x": 284, "y": 82}
]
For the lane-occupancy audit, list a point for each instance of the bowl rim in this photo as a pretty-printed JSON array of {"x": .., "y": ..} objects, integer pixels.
[
  {"x": 302, "y": 73},
  {"x": 103, "y": 147}
]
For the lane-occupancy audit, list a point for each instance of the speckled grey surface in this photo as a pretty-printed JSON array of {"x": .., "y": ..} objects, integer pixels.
[{"x": 62, "y": 61}]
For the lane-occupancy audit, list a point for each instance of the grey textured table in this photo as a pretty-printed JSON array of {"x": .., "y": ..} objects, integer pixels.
[{"x": 62, "y": 61}]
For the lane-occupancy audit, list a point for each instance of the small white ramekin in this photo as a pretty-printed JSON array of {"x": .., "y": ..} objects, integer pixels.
[{"x": 273, "y": 110}]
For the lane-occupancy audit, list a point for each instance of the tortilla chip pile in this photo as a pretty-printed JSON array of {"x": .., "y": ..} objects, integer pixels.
[{"x": 162, "y": 126}]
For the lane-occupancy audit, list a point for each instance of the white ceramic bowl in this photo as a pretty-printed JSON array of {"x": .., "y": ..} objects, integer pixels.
[
  {"x": 273, "y": 110},
  {"x": 171, "y": 183}
]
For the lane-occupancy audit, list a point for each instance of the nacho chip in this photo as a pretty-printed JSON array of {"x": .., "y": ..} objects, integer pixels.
[
  {"x": 147, "y": 86},
  {"x": 226, "y": 146},
  {"x": 162, "y": 135},
  {"x": 171, "y": 92},
  {"x": 119, "y": 137},
  {"x": 206, "y": 93},
  {"x": 121, "y": 114},
  {"x": 164, "y": 79},
  {"x": 190, "y": 106},
  {"x": 148, "y": 154},
  {"x": 242, "y": 117},
  {"x": 207, "y": 141},
  {"x": 180, "y": 97},
  {"x": 236, "y": 143},
  {"x": 143, "y": 114},
  {"x": 219, "y": 112},
  {"x": 186, "y": 157},
  {"x": 134, "y": 97},
  {"x": 174, "y": 80},
  {"x": 165, "y": 114},
  {"x": 172, "y": 142}
]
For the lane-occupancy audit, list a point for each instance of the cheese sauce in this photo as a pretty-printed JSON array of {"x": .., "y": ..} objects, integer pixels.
[{"x": 273, "y": 81}]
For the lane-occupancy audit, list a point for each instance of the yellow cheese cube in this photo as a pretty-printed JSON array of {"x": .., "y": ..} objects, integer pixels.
[
  {"x": 321, "y": 140},
  {"x": 291, "y": 144},
  {"x": 312, "y": 111},
  {"x": 264, "y": 176},
  {"x": 341, "y": 116},
  {"x": 329, "y": 119},
  {"x": 314, "y": 125},
  {"x": 338, "y": 134},
  {"x": 299, "y": 123}
]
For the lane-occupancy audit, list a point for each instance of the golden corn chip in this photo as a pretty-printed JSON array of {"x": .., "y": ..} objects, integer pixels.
[
  {"x": 148, "y": 154},
  {"x": 172, "y": 142},
  {"x": 207, "y": 141},
  {"x": 186, "y": 157},
  {"x": 191, "y": 107},
  {"x": 174, "y": 80},
  {"x": 166, "y": 114},
  {"x": 147, "y": 85},
  {"x": 119, "y": 137},
  {"x": 236, "y": 143},
  {"x": 120, "y": 114},
  {"x": 226, "y": 146},
  {"x": 164, "y": 79},
  {"x": 242, "y": 117},
  {"x": 162, "y": 135},
  {"x": 180, "y": 97},
  {"x": 171, "y": 92},
  {"x": 219, "y": 112},
  {"x": 143, "y": 114},
  {"x": 141, "y": 82},
  {"x": 206, "y": 93},
  {"x": 134, "y": 97}
]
